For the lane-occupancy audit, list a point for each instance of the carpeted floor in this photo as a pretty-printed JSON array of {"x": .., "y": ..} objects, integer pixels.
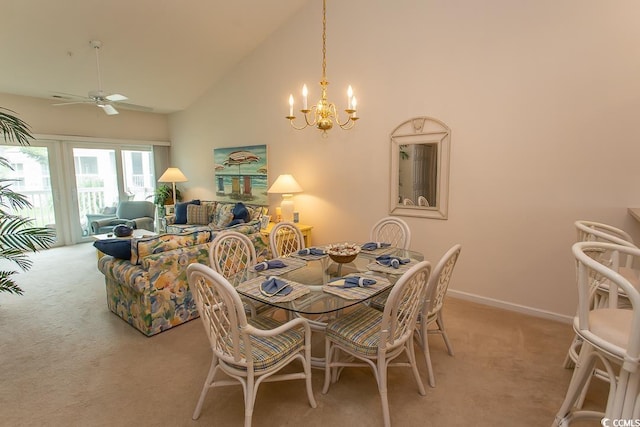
[{"x": 65, "y": 360}]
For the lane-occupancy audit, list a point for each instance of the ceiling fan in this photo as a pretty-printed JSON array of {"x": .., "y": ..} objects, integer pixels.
[{"x": 107, "y": 102}]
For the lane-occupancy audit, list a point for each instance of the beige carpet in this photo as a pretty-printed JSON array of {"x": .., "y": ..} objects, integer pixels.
[{"x": 65, "y": 360}]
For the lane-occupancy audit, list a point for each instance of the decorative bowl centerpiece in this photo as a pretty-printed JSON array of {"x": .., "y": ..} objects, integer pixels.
[
  {"x": 343, "y": 252},
  {"x": 122, "y": 230}
]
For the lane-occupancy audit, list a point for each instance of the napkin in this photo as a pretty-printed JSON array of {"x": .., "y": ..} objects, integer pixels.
[
  {"x": 355, "y": 281},
  {"x": 372, "y": 246},
  {"x": 274, "y": 263},
  {"x": 391, "y": 261},
  {"x": 272, "y": 287},
  {"x": 311, "y": 251}
]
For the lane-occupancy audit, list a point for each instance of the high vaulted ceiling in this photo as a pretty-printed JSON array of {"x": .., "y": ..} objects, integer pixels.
[{"x": 162, "y": 54}]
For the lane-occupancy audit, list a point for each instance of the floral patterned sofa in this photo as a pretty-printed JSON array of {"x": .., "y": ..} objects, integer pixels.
[
  {"x": 150, "y": 290},
  {"x": 212, "y": 214}
]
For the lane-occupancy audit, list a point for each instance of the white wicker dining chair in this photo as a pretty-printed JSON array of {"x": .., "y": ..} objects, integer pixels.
[
  {"x": 392, "y": 230},
  {"x": 231, "y": 252},
  {"x": 408, "y": 202},
  {"x": 249, "y": 351},
  {"x": 375, "y": 339},
  {"x": 431, "y": 313},
  {"x": 610, "y": 336},
  {"x": 285, "y": 239},
  {"x": 422, "y": 201}
]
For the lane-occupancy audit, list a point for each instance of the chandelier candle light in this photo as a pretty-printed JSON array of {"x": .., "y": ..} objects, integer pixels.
[{"x": 323, "y": 114}]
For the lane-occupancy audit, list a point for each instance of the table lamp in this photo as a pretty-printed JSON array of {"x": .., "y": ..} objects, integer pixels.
[
  {"x": 286, "y": 185},
  {"x": 173, "y": 175}
]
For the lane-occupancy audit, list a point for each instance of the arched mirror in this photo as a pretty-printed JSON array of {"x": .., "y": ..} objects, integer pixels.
[{"x": 420, "y": 168}]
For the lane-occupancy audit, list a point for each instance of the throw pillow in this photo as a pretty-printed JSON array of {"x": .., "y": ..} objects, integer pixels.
[
  {"x": 256, "y": 212},
  {"x": 181, "y": 211},
  {"x": 198, "y": 214},
  {"x": 117, "y": 248},
  {"x": 224, "y": 219},
  {"x": 240, "y": 211}
]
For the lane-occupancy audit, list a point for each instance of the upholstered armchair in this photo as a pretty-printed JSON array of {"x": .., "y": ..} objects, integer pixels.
[{"x": 134, "y": 213}]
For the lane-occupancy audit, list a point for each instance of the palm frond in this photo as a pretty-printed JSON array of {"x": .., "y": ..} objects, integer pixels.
[
  {"x": 8, "y": 285},
  {"x": 18, "y": 257},
  {"x": 15, "y": 233},
  {"x": 11, "y": 199},
  {"x": 5, "y": 163},
  {"x": 13, "y": 128}
]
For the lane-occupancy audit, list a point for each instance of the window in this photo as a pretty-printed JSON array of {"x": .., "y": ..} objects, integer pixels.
[{"x": 86, "y": 165}]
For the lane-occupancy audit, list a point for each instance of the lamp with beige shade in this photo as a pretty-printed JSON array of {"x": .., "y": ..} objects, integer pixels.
[
  {"x": 286, "y": 185},
  {"x": 173, "y": 175}
]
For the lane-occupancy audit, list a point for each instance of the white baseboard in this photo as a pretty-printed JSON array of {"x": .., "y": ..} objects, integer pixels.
[{"x": 510, "y": 306}]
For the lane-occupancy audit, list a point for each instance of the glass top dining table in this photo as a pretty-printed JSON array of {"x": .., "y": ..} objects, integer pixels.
[{"x": 315, "y": 280}]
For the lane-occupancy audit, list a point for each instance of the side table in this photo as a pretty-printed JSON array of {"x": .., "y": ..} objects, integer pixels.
[{"x": 305, "y": 229}]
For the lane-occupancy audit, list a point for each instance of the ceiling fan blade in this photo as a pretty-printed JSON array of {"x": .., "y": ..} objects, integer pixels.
[
  {"x": 72, "y": 103},
  {"x": 63, "y": 96},
  {"x": 116, "y": 97},
  {"x": 109, "y": 109},
  {"x": 134, "y": 107}
]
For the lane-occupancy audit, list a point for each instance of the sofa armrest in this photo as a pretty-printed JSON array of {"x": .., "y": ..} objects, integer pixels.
[
  {"x": 144, "y": 223},
  {"x": 107, "y": 222},
  {"x": 122, "y": 271}
]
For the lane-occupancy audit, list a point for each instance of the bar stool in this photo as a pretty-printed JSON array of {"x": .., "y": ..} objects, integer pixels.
[
  {"x": 591, "y": 231},
  {"x": 609, "y": 334}
]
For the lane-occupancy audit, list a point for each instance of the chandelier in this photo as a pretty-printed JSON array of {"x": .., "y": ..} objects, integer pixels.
[{"x": 323, "y": 114}]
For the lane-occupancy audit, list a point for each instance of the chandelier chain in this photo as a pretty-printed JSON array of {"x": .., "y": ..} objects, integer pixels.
[{"x": 324, "y": 40}]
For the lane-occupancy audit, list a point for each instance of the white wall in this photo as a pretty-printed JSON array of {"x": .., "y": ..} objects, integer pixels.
[{"x": 542, "y": 98}]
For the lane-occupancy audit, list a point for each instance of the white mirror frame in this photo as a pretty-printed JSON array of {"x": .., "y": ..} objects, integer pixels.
[{"x": 421, "y": 130}]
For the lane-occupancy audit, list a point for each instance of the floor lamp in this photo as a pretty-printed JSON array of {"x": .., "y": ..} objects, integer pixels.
[{"x": 173, "y": 175}]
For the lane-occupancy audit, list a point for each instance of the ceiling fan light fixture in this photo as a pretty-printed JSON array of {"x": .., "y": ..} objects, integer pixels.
[{"x": 116, "y": 97}]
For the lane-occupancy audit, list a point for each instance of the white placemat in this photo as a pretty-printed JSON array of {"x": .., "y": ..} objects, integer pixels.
[
  {"x": 378, "y": 251},
  {"x": 374, "y": 266},
  {"x": 357, "y": 292},
  {"x": 252, "y": 287},
  {"x": 291, "y": 264},
  {"x": 310, "y": 257}
]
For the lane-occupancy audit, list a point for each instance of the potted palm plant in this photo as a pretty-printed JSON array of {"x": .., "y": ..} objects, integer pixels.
[
  {"x": 17, "y": 236},
  {"x": 163, "y": 195}
]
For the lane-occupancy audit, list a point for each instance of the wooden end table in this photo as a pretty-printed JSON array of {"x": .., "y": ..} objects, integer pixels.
[{"x": 305, "y": 229}]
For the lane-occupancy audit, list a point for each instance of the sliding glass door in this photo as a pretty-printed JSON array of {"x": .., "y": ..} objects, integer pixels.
[
  {"x": 96, "y": 180},
  {"x": 31, "y": 177},
  {"x": 104, "y": 177},
  {"x": 71, "y": 183}
]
